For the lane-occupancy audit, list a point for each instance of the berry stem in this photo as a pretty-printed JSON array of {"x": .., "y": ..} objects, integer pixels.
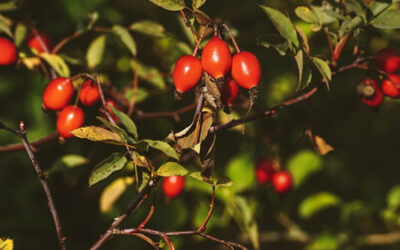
[
  {"x": 232, "y": 37},
  {"x": 188, "y": 24},
  {"x": 197, "y": 47}
]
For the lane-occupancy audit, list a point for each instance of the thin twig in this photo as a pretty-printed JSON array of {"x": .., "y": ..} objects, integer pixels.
[
  {"x": 21, "y": 133},
  {"x": 232, "y": 37},
  {"x": 202, "y": 228},
  {"x": 36, "y": 143}
]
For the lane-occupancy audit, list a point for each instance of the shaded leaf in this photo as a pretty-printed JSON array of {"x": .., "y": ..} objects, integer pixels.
[
  {"x": 304, "y": 39},
  {"x": 238, "y": 170},
  {"x": 67, "y": 161},
  {"x": 126, "y": 38},
  {"x": 173, "y": 5},
  {"x": 283, "y": 24},
  {"x": 9, "y": 6},
  {"x": 114, "y": 162},
  {"x": 317, "y": 202},
  {"x": 5, "y": 28},
  {"x": 275, "y": 41},
  {"x": 389, "y": 19},
  {"x": 171, "y": 169},
  {"x": 94, "y": 133},
  {"x": 113, "y": 191},
  {"x": 213, "y": 181},
  {"x": 303, "y": 164},
  {"x": 149, "y": 74},
  {"x": 20, "y": 34},
  {"x": 323, "y": 242},
  {"x": 126, "y": 121},
  {"x": 198, "y": 3},
  {"x": 148, "y": 27},
  {"x": 94, "y": 54},
  {"x": 6, "y": 244},
  {"x": 163, "y": 147},
  {"x": 57, "y": 63},
  {"x": 299, "y": 57},
  {"x": 324, "y": 69}
]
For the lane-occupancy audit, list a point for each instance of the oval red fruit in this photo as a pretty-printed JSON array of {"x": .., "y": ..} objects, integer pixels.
[
  {"x": 264, "y": 170},
  {"x": 246, "y": 69},
  {"x": 173, "y": 185},
  {"x": 39, "y": 41},
  {"x": 58, "y": 93},
  {"x": 89, "y": 93},
  {"x": 370, "y": 97},
  {"x": 70, "y": 118},
  {"x": 282, "y": 181},
  {"x": 229, "y": 91},
  {"x": 8, "y": 52},
  {"x": 216, "y": 58},
  {"x": 110, "y": 102},
  {"x": 187, "y": 72},
  {"x": 387, "y": 59},
  {"x": 391, "y": 86}
]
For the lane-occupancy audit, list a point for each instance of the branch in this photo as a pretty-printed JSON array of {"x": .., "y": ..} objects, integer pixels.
[
  {"x": 21, "y": 133},
  {"x": 38, "y": 142}
]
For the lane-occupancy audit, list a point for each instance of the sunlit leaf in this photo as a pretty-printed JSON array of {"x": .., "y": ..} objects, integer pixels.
[
  {"x": 57, "y": 63},
  {"x": 20, "y": 34},
  {"x": 170, "y": 169},
  {"x": 163, "y": 147},
  {"x": 304, "y": 164},
  {"x": 393, "y": 197},
  {"x": 126, "y": 121},
  {"x": 148, "y": 27},
  {"x": 306, "y": 14},
  {"x": 198, "y": 3},
  {"x": 114, "y": 162},
  {"x": 320, "y": 145},
  {"x": 113, "y": 191},
  {"x": 240, "y": 171},
  {"x": 323, "y": 242},
  {"x": 317, "y": 202},
  {"x": 9, "y": 6},
  {"x": 94, "y": 54},
  {"x": 213, "y": 181},
  {"x": 113, "y": 127},
  {"x": 126, "y": 38},
  {"x": 31, "y": 62},
  {"x": 173, "y": 5},
  {"x": 283, "y": 24},
  {"x": 6, "y": 244},
  {"x": 94, "y": 133},
  {"x": 349, "y": 25},
  {"x": 324, "y": 69},
  {"x": 67, "y": 161},
  {"x": 389, "y": 19}
]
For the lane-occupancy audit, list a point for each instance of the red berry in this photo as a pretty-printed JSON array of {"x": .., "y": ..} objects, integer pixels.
[
  {"x": 89, "y": 93},
  {"x": 391, "y": 85},
  {"x": 246, "y": 69},
  {"x": 370, "y": 92},
  {"x": 70, "y": 118},
  {"x": 229, "y": 91},
  {"x": 39, "y": 41},
  {"x": 282, "y": 181},
  {"x": 387, "y": 59},
  {"x": 216, "y": 58},
  {"x": 110, "y": 102},
  {"x": 173, "y": 185},
  {"x": 264, "y": 170},
  {"x": 58, "y": 93},
  {"x": 8, "y": 52},
  {"x": 187, "y": 73}
]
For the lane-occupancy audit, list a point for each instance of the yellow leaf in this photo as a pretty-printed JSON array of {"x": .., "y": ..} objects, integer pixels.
[
  {"x": 31, "y": 62},
  {"x": 94, "y": 133},
  {"x": 112, "y": 192},
  {"x": 6, "y": 244},
  {"x": 320, "y": 145}
]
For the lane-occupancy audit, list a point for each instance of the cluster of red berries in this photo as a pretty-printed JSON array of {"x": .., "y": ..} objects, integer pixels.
[
  {"x": 173, "y": 185},
  {"x": 217, "y": 61},
  {"x": 371, "y": 91},
  {"x": 58, "y": 95},
  {"x": 266, "y": 172},
  {"x": 8, "y": 51}
]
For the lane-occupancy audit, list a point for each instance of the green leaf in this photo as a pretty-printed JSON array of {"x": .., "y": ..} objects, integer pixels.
[
  {"x": 114, "y": 128},
  {"x": 198, "y": 3},
  {"x": 9, "y": 6},
  {"x": 94, "y": 54},
  {"x": 240, "y": 170},
  {"x": 112, "y": 192},
  {"x": 389, "y": 19},
  {"x": 349, "y": 25},
  {"x": 148, "y": 27},
  {"x": 275, "y": 41},
  {"x": 304, "y": 164},
  {"x": 57, "y": 63},
  {"x": 323, "y": 242},
  {"x": 163, "y": 147},
  {"x": 5, "y": 28},
  {"x": 306, "y": 14},
  {"x": 114, "y": 162},
  {"x": 126, "y": 121},
  {"x": 67, "y": 161},
  {"x": 170, "y": 169},
  {"x": 299, "y": 57},
  {"x": 149, "y": 74},
  {"x": 213, "y": 181},
  {"x": 94, "y": 133},
  {"x": 393, "y": 197},
  {"x": 317, "y": 202},
  {"x": 172, "y": 5},
  {"x": 126, "y": 38},
  {"x": 20, "y": 34},
  {"x": 324, "y": 69},
  {"x": 283, "y": 24}
]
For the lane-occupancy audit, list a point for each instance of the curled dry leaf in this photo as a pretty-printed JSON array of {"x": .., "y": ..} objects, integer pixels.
[{"x": 320, "y": 145}]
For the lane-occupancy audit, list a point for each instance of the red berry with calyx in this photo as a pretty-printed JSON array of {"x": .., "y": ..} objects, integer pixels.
[
  {"x": 229, "y": 91},
  {"x": 8, "y": 52},
  {"x": 216, "y": 58},
  {"x": 370, "y": 93},
  {"x": 264, "y": 170},
  {"x": 282, "y": 181},
  {"x": 173, "y": 185},
  {"x": 391, "y": 86},
  {"x": 387, "y": 59},
  {"x": 39, "y": 41},
  {"x": 89, "y": 93},
  {"x": 70, "y": 118},
  {"x": 246, "y": 69},
  {"x": 58, "y": 93},
  {"x": 187, "y": 73}
]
